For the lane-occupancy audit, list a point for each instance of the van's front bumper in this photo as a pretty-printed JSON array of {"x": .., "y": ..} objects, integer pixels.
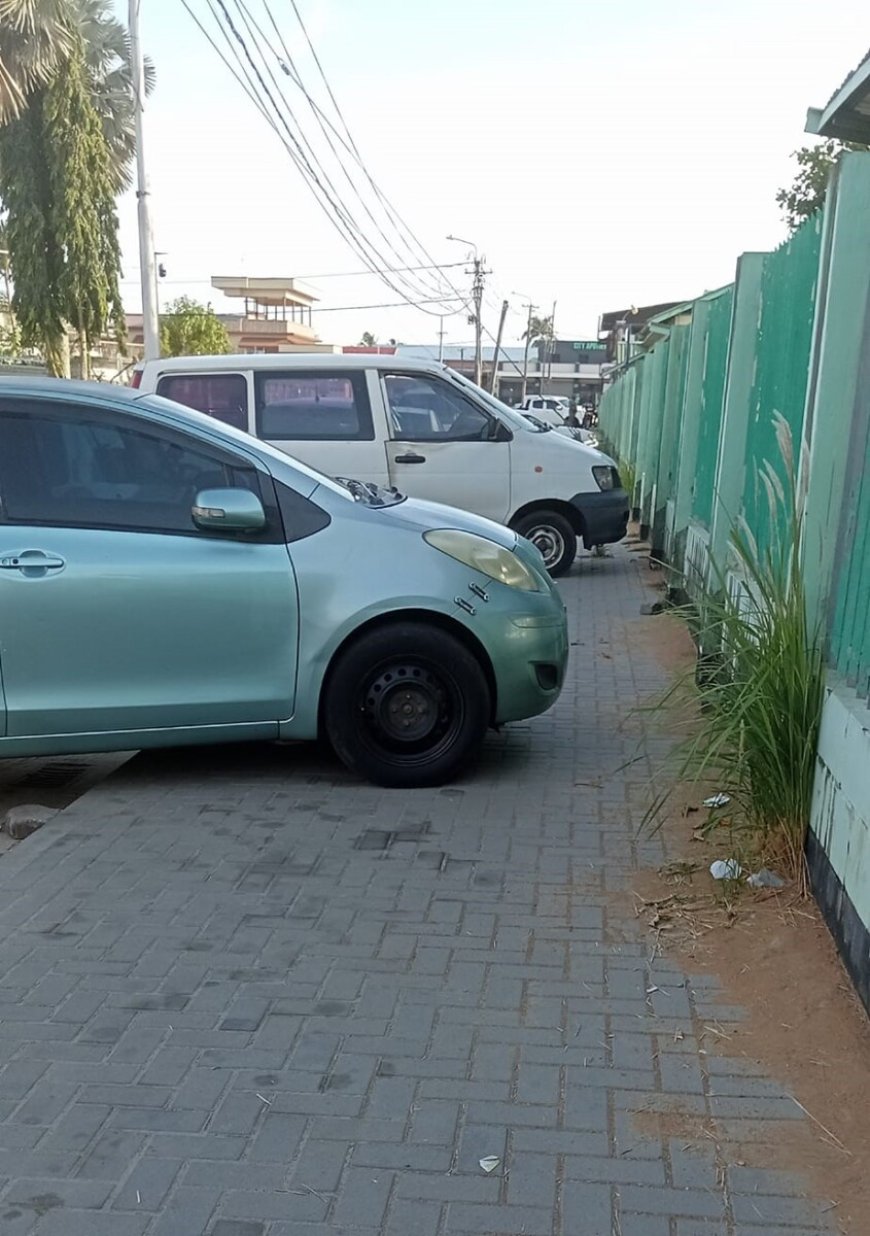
[{"x": 604, "y": 514}]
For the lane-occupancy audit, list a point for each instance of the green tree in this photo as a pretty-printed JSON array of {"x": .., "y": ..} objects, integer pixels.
[
  {"x": 188, "y": 328},
  {"x": 368, "y": 340},
  {"x": 806, "y": 194},
  {"x": 35, "y": 36},
  {"x": 539, "y": 330},
  {"x": 107, "y": 58},
  {"x": 57, "y": 186}
]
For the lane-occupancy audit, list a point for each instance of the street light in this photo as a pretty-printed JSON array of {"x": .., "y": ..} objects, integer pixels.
[
  {"x": 459, "y": 240},
  {"x": 531, "y": 308},
  {"x": 477, "y": 296}
]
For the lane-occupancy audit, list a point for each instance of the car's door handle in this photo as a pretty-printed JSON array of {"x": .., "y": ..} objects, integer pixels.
[
  {"x": 410, "y": 457},
  {"x": 32, "y": 562}
]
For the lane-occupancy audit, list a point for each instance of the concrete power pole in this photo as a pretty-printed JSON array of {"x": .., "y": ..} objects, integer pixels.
[
  {"x": 150, "y": 324},
  {"x": 494, "y": 375},
  {"x": 531, "y": 308},
  {"x": 477, "y": 296},
  {"x": 547, "y": 350},
  {"x": 479, "y": 273}
]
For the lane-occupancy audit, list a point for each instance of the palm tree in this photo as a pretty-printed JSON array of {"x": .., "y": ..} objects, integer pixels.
[
  {"x": 34, "y": 36},
  {"x": 540, "y": 330},
  {"x": 107, "y": 58}
]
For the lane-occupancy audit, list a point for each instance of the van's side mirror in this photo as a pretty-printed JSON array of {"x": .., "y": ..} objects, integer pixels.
[
  {"x": 228, "y": 510},
  {"x": 500, "y": 432}
]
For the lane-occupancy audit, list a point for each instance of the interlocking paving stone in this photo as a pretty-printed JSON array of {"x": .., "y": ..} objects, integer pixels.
[{"x": 242, "y": 994}]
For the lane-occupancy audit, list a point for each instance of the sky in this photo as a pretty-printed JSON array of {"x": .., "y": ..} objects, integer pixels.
[{"x": 599, "y": 153}]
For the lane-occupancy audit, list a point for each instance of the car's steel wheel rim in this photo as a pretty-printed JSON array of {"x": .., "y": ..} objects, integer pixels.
[
  {"x": 411, "y": 711},
  {"x": 549, "y": 541}
]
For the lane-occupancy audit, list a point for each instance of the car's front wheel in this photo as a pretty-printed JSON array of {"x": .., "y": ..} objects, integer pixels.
[
  {"x": 407, "y": 705},
  {"x": 553, "y": 535}
]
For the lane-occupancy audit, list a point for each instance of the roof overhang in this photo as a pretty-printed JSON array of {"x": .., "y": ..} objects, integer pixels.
[
  {"x": 847, "y": 115},
  {"x": 266, "y": 291}
]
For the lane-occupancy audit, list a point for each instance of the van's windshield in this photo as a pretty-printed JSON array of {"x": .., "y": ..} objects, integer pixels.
[{"x": 515, "y": 419}]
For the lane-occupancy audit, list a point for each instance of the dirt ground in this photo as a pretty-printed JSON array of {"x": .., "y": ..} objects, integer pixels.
[{"x": 775, "y": 957}]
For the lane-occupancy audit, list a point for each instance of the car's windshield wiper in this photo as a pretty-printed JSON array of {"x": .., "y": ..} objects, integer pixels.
[{"x": 371, "y": 494}]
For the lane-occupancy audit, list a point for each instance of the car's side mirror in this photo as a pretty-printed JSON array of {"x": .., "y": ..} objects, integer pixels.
[{"x": 228, "y": 510}]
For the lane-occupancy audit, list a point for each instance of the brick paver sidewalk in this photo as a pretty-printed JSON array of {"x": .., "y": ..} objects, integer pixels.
[{"x": 244, "y": 996}]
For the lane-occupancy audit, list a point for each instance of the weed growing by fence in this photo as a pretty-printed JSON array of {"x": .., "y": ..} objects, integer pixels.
[{"x": 760, "y": 698}]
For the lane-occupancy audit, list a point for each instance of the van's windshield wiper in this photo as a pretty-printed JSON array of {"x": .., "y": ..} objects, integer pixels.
[{"x": 541, "y": 426}]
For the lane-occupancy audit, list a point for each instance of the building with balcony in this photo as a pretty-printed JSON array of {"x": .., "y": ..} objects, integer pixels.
[{"x": 276, "y": 317}]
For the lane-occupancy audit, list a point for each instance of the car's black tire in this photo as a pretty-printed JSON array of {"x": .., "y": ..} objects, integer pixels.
[
  {"x": 406, "y": 705},
  {"x": 554, "y": 537}
]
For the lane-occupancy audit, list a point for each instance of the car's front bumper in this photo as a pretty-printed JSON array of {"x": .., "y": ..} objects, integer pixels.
[
  {"x": 604, "y": 514},
  {"x": 529, "y": 666},
  {"x": 526, "y": 638}
]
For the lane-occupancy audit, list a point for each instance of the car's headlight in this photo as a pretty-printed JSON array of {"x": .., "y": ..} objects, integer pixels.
[
  {"x": 485, "y": 556},
  {"x": 606, "y": 477}
]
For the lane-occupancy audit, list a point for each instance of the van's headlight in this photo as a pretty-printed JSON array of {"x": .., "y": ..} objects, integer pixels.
[
  {"x": 485, "y": 556},
  {"x": 606, "y": 477}
]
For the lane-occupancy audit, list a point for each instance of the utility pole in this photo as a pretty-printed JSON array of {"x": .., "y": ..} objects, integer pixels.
[
  {"x": 477, "y": 297},
  {"x": 159, "y": 273},
  {"x": 500, "y": 332},
  {"x": 441, "y": 338},
  {"x": 528, "y": 338},
  {"x": 150, "y": 325},
  {"x": 475, "y": 319},
  {"x": 548, "y": 349}
]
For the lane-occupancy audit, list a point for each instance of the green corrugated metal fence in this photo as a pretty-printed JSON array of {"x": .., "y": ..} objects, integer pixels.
[
  {"x": 785, "y": 329},
  {"x": 710, "y": 409},
  {"x": 695, "y": 413}
]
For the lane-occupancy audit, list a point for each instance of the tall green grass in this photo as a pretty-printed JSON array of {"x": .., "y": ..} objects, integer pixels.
[
  {"x": 628, "y": 476},
  {"x": 760, "y": 699}
]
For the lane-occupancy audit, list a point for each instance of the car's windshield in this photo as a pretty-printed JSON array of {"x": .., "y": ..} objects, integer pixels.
[{"x": 515, "y": 419}]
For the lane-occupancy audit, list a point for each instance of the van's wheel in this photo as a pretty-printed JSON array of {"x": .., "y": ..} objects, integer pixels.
[
  {"x": 407, "y": 705},
  {"x": 553, "y": 536}
]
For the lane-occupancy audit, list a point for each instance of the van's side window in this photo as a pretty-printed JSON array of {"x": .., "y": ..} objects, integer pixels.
[
  {"x": 424, "y": 409},
  {"x": 297, "y": 405},
  {"x": 221, "y": 395}
]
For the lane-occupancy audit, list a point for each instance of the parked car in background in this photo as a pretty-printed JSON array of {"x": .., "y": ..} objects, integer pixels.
[
  {"x": 555, "y": 411},
  {"x": 167, "y": 580},
  {"x": 416, "y": 425}
]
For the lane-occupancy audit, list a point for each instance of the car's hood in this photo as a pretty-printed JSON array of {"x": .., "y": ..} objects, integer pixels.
[{"x": 423, "y": 516}]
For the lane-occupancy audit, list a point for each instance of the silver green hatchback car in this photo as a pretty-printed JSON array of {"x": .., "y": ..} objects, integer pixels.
[{"x": 165, "y": 579}]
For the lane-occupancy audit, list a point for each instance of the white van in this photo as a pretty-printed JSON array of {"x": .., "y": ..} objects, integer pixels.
[{"x": 415, "y": 425}]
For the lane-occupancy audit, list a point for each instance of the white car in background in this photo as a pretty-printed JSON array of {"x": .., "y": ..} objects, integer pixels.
[{"x": 555, "y": 410}]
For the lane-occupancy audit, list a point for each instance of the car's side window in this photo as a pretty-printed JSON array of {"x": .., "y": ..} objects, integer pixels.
[
  {"x": 76, "y": 466},
  {"x": 296, "y": 405},
  {"x": 424, "y": 409},
  {"x": 221, "y": 395}
]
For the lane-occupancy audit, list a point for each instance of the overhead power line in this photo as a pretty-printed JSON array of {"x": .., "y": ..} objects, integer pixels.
[
  {"x": 387, "y": 305},
  {"x": 304, "y": 156},
  {"x": 248, "y": 49},
  {"x": 328, "y": 129}
]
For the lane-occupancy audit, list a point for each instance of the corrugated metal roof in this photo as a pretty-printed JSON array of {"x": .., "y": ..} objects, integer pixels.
[
  {"x": 846, "y": 80},
  {"x": 846, "y": 115}
]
